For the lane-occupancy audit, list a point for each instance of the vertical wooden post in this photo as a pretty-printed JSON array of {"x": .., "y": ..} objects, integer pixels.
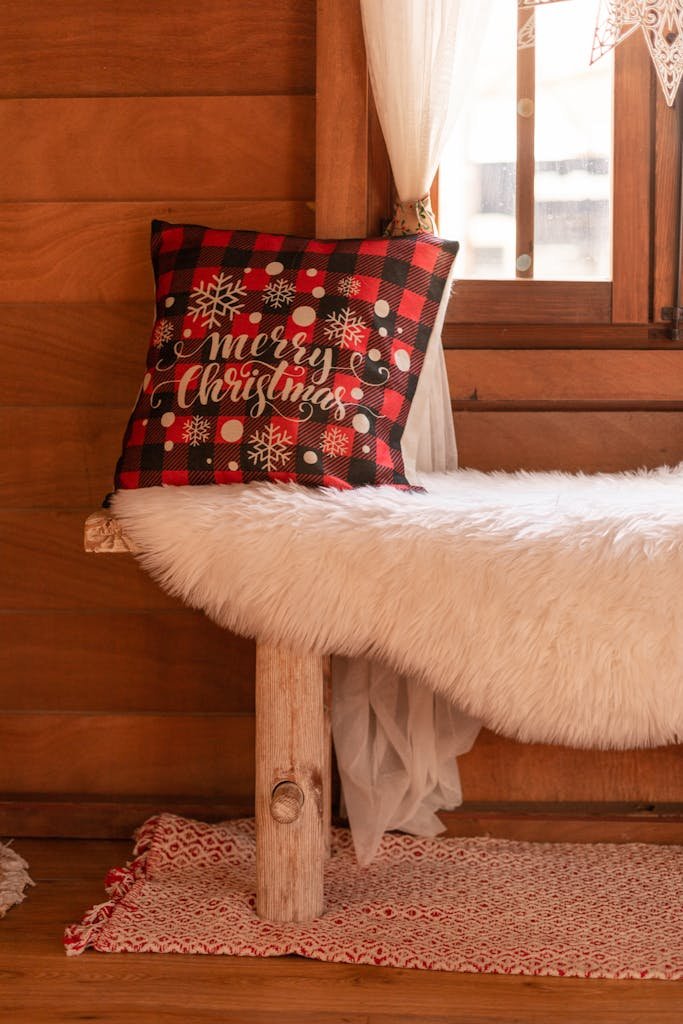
[
  {"x": 666, "y": 200},
  {"x": 293, "y": 743},
  {"x": 327, "y": 750},
  {"x": 292, "y": 761},
  {"x": 524, "y": 192},
  {"x": 632, "y": 208},
  {"x": 341, "y": 192}
]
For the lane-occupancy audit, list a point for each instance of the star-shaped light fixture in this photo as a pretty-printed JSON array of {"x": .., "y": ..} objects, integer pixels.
[
  {"x": 526, "y": 37},
  {"x": 661, "y": 22}
]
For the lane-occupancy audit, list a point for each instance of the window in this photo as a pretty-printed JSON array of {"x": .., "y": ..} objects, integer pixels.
[
  {"x": 609, "y": 259},
  {"x": 526, "y": 179},
  {"x": 592, "y": 310}
]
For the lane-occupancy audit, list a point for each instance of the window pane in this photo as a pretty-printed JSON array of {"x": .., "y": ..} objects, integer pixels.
[
  {"x": 477, "y": 174},
  {"x": 573, "y": 142}
]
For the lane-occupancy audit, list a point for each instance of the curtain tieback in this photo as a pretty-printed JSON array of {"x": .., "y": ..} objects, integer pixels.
[{"x": 412, "y": 217}]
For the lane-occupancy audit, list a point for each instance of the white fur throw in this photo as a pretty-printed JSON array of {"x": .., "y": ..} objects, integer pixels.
[{"x": 548, "y": 605}]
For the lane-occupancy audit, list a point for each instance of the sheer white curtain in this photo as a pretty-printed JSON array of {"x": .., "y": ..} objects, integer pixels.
[
  {"x": 396, "y": 742},
  {"x": 421, "y": 54}
]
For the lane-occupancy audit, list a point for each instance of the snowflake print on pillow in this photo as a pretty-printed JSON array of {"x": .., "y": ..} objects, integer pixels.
[{"x": 281, "y": 358}]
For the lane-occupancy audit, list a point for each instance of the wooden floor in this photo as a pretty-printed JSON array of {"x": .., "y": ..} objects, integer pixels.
[{"x": 38, "y": 984}]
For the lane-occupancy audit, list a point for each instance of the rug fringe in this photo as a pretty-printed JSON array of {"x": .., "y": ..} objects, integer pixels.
[
  {"x": 14, "y": 878},
  {"x": 117, "y": 884}
]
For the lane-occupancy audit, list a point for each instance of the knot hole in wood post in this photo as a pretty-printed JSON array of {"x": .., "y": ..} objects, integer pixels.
[{"x": 286, "y": 802}]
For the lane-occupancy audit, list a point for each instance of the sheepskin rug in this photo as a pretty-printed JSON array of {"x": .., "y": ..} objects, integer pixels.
[{"x": 548, "y": 605}]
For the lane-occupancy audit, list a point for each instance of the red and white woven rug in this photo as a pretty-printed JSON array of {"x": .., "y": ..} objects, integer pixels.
[{"x": 477, "y": 905}]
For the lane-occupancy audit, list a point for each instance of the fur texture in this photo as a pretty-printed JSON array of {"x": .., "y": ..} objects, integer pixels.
[{"x": 548, "y": 605}]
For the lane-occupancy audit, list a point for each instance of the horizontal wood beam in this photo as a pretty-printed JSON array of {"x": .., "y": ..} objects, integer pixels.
[
  {"x": 159, "y": 148},
  {"x": 93, "y": 660},
  {"x": 99, "y": 251},
  {"x": 210, "y": 755},
  {"x": 650, "y": 337},
  {"x": 134, "y": 754},
  {"x": 84, "y": 817},
  {"x": 630, "y": 378},
  {"x": 103, "y": 372},
  {"x": 68, "y": 456},
  {"x": 530, "y": 302},
  {"x": 588, "y": 442},
  {"x": 46, "y": 569},
  {"x": 568, "y": 822},
  {"x": 156, "y": 49}
]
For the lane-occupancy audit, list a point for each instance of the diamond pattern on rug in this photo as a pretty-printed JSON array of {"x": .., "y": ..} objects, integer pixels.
[{"x": 474, "y": 905}]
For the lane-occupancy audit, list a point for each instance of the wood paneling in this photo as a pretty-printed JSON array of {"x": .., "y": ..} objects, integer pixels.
[
  {"x": 67, "y": 456},
  {"x": 161, "y": 148},
  {"x": 88, "y": 353},
  {"x": 666, "y": 200},
  {"x": 212, "y": 756},
  {"x": 380, "y": 181},
  {"x": 499, "y": 769},
  {"x": 530, "y": 302},
  {"x": 476, "y": 375},
  {"x": 156, "y": 48},
  {"x": 341, "y": 122},
  {"x": 112, "y": 115},
  {"x": 131, "y": 754},
  {"x": 99, "y": 252},
  {"x": 44, "y": 567},
  {"x": 567, "y": 823},
  {"x": 588, "y": 442},
  {"x": 119, "y": 817},
  {"x": 86, "y": 816},
  {"x": 632, "y": 206},
  {"x": 576, "y": 336},
  {"x": 122, "y": 661}
]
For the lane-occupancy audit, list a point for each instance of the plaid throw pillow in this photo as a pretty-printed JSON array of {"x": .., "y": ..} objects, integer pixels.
[{"x": 279, "y": 358}]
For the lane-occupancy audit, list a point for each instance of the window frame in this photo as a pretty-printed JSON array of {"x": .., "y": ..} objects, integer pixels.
[
  {"x": 622, "y": 313},
  {"x": 626, "y": 298}
]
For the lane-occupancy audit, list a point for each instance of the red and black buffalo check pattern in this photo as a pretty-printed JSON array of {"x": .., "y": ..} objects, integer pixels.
[{"x": 280, "y": 358}]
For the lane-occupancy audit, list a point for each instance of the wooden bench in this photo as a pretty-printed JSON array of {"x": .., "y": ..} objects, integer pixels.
[{"x": 293, "y": 762}]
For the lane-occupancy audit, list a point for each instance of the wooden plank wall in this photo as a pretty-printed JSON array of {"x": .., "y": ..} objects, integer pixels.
[
  {"x": 116, "y": 701},
  {"x": 112, "y": 114}
]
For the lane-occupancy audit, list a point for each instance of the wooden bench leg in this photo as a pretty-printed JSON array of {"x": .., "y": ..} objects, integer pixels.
[{"x": 292, "y": 783}]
